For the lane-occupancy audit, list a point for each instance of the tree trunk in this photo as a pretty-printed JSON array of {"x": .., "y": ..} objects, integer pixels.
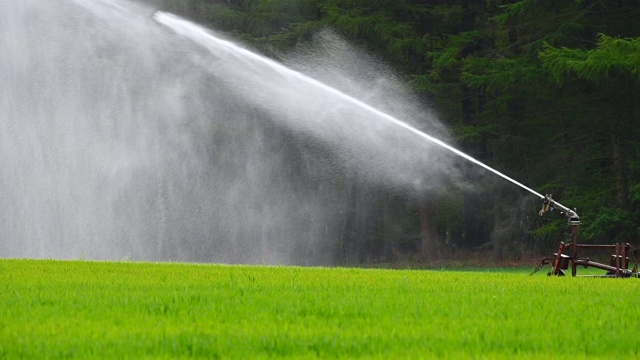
[
  {"x": 390, "y": 228},
  {"x": 357, "y": 224},
  {"x": 428, "y": 230},
  {"x": 620, "y": 132},
  {"x": 620, "y": 171},
  {"x": 475, "y": 209},
  {"x": 497, "y": 235}
]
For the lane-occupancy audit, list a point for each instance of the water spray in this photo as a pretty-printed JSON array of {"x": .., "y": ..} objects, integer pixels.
[
  {"x": 201, "y": 35},
  {"x": 204, "y": 37},
  {"x": 560, "y": 261}
]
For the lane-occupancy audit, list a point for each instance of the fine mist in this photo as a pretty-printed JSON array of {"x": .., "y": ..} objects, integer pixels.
[{"x": 122, "y": 139}]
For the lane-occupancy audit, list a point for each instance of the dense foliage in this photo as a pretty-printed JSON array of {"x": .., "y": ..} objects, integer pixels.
[
  {"x": 71, "y": 309},
  {"x": 544, "y": 90}
]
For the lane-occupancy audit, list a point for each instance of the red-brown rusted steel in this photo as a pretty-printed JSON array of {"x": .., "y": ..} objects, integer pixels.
[
  {"x": 556, "y": 262},
  {"x": 619, "y": 266},
  {"x": 623, "y": 260},
  {"x": 592, "y": 246},
  {"x": 612, "y": 269},
  {"x": 617, "y": 260},
  {"x": 574, "y": 249}
]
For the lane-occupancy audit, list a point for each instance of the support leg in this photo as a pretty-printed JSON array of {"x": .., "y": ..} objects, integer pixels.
[{"x": 556, "y": 261}]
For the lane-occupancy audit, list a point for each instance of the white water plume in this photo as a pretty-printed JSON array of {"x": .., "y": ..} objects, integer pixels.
[
  {"x": 215, "y": 45},
  {"x": 118, "y": 138}
]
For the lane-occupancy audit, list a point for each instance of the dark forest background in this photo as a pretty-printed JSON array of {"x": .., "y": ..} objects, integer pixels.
[{"x": 546, "y": 91}]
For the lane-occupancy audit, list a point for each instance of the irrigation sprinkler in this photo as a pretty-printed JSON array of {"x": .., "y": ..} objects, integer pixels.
[
  {"x": 567, "y": 255},
  {"x": 560, "y": 261}
]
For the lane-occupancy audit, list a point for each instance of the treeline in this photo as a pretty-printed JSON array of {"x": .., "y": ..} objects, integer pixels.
[{"x": 545, "y": 90}]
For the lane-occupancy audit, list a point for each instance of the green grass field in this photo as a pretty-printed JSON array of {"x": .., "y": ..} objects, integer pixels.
[{"x": 67, "y": 309}]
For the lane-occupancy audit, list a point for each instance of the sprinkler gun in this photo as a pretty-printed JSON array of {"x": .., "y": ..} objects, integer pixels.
[{"x": 548, "y": 204}]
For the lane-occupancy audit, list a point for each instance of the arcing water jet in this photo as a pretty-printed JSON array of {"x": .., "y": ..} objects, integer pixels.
[
  {"x": 205, "y": 38},
  {"x": 214, "y": 44},
  {"x": 119, "y": 139}
]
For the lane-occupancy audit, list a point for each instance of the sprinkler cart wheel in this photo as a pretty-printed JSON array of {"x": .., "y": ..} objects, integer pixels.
[{"x": 559, "y": 272}]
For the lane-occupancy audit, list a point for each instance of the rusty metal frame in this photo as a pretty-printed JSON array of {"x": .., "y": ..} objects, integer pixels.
[
  {"x": 618, "y": 269},
  {"x": 619, "y": 265}
]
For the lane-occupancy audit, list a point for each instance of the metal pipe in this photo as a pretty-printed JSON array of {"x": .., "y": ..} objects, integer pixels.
[
  {"x": 587, "y": 262},
  {"x": 592, "y": 246}
]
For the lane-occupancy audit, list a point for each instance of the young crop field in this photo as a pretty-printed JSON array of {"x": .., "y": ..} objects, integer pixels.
[{"x": 80, "y": 309}]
